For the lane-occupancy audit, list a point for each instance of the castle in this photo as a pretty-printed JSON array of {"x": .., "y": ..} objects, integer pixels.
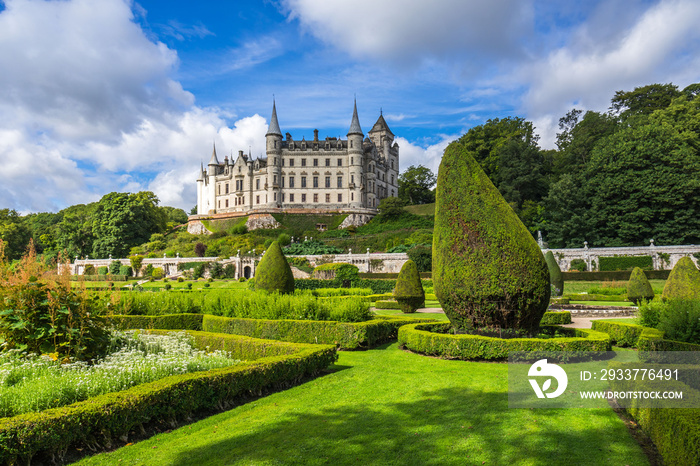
[{"x": 320, "y": 176}]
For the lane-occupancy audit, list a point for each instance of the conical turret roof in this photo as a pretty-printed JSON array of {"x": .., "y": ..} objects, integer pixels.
[
  {"x": 274, "y": 128},
  {"x": 214, "y": 160},
  {"x": 355, "y": 124}
]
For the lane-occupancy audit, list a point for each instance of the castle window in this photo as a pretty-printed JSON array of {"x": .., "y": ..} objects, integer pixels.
[
  {"x": 243, "y": 200},
  {"x": 291, "y": 197},
  {"x": 291, "y": 181},
  {"x": 291, "y": 162},
  {"x": 282, "y": 183},
  {"x": 218, "y": 189},
  {"x": 352, "y": 160},
  {"x": 352, "y": 179},
  {"x": 303, "y": 182},
  {"x": 328, "y": 198},
  {"x": 257, "y": 184},
  {"x": 283, "y": 161},
  {"x": 274, "y": 179},
  {"x": 303, "y": 198},
  {"x": 226, "y": 189},
  {"x": 274, "y": 196},
  {"x": 274, "y": 160},
  {"x": 340, "y": 198},
  {"x": 303, "y": 162},
  {"x": 328, "y": 162},
  {"x": 291, "y": 146},
  {"x": 340, "y": 181},
  {"x": 340, "y": 162},
  {"x": 219, "y": 204},
  {"x": 315, "y": 181},
  {"x": 392, "y": 179},
  {"x": 328, "y": 146},
  {"x": 282, "y": 197},
  {"x": 315, "y": 162},
  {"x": 315, "y": 198},
  {"x": 226, "y": 202},
  {"x": 275, "y": 144},
  {"x": 257, "y": 199},
  {"x": 328, "y": 182},
  {"x": 392, "y": 164},
  {"x": 350, "y": 143},
  {"x": 352, "y": 196}
]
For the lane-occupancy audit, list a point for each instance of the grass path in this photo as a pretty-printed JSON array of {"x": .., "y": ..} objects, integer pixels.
[{"x": 389, "y": 407}]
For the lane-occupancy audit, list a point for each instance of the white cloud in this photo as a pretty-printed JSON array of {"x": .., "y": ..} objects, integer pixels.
[
  {"x": 430, "y": 156},
  {"x": 407, "y": 31},
  {"x": 659, "y": 47}
]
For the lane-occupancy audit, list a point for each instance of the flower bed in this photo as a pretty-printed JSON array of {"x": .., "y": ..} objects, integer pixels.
[
  {"x": 432, "y": 339},
  {"x": 100, "y": 419}
]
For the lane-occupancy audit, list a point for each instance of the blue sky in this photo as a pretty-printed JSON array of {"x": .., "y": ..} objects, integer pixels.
[{"x": 114, "y": 95}]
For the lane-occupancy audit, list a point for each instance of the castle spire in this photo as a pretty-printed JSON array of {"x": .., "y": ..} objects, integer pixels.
[
  {"x": 355, "y": 124},
  {"x": 201, "y": 172},
  {"x": 274, "y": 128},
  {"x": 214, "y": 160}
]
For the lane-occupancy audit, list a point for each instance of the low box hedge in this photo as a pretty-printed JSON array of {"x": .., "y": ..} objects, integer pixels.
[
  {"x": 618, "y": 275},
  {"x": 622, "y": 334},
  {"x": 182, "y": 321},
  {"x": 674, "y": 431},
  {"x": 100, "y": 419},
  {"x": 431, "y": 339},
  {"x": 387, "y": 304},
  {"x": 556, "y": 318},
  {"x": 345, "y": 335}
]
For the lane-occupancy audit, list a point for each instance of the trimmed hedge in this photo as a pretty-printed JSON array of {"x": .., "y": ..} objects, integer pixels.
[
  {"x": 428, "y": 339},
  {"x": 387, "y": 304},
  {"x": 99, "y": 278},
  {"x": 167, "y": 321},
  {"x": 391, "y": 276},
  {"x": 619, "y": 275},
  {"x": 645, "y": 339},
  {"x": 611, "y": 264},
  {"x": 345, "y": 335},
  {"x": 556, "y": 318},
  {"x": 103, "y": 418},
  {"x": 675, "y": 432}
]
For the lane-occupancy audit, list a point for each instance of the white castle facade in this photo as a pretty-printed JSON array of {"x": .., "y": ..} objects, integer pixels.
[{"x": 332, "y": 175}]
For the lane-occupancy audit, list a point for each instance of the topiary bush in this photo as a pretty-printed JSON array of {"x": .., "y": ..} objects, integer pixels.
[
  {"x": 273, "y": 273},
  {"x": 556, "y": 279},
  {"x": 638, "y": 287},
  {"x": 578, "y": 265},
  {"x": 488, "y": 270},
  {"x": 409, "y": 289},
  {"x": 683, "y": 281}
]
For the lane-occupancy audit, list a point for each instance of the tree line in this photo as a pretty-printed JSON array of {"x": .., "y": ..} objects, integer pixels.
[
  {"x": 111, "y": 226},
  {"x": 617, "y": 178}
]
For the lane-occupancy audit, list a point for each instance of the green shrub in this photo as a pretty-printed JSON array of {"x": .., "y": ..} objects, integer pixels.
[
  {"x": 273, "y": 273},
  {"x": 680, "y": 321},
  {"x": 433, "y": 339},
  {"x": 556, "y": 318},
  {"x": 313, "y": 248},
  {"x": 638, "y": 287},
  {"x": 422, "y": 255},
  {"x": 114, "y": 267},
  {"x": 199, "y": 269},
  {"x": 125, "y": 270},
  {"x": 104, "y": 270},
  {"x": 555, "y": 277},
  {"x": 157, "y": 273},
  {"x": 330, "y": 292},
  {"x": 89, "y": 270},
  {"x": 649, "y": 313},
  {"x": 229, "y": 271},
  {"x": 487, "y": 268},
  {"x": 148, "y": 271},
  {"x": 609, "y": 264},
  {"x": 180, "y": 279},
  {"x": 578, "y": 264},
  {"x": 683, "y": 281},
  {"x": 621, "y": 333},
  {"x": 336, "y": 271},
  {"x": 409, "y": 289}
]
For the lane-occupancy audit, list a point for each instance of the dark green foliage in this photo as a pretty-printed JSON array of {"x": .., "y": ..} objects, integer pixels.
[
  {"x": 314, "y": 247},
  {"x": 114, "y": 267},
  {"x": 622, "y": 334},
  {"x": 124, "y": 220},
  {"x": 386, "y": 304},
  {"x": 556, "y": 279},
  {"x": 273, "y": 273},
  {"x": 229, "y": 271},
  {"x": 377, "y": 285},
  {"x": 199, "y": 269},
  {"x": 184, "y": 321},
  {"x": 216, "y": 270},
  {"x": 89, "y": 270},
  {"x": 391, "y": 207},
  {"x": 409, "y": 289},
  {"x": 422, "y": 255},
  {"x": 649, "y": 313},
  {"x": 644, "y": 100},
  {"x": 165, "y": 401},
  {"x": 200, "y": 249},
  {"x": 487, "y": 268},
  {"x": 683, "y": 281},
  {"x": 416, "y": 185},
  {"x": 125, "y": 270},
  {"x": 338, "y": 272},
  {"x": 14, "y": 233},
  {"x": 136, "y": 261},
  {"x": 680, "y": 320},
  {"x": 433, "y": 339},
  {"x": 620, "y": 275},
  {"x": 578, "y": 264},
  {"x": 174, "y": 215},
  {"x": 284, "y": 239},
  {"x": 638, "y": 287},
  {"x": 556, "y": 318},
  {"x": 103, "y": 270},
  {"x": 610, "y": 264}
]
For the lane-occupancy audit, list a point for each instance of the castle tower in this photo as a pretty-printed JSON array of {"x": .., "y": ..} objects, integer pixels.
[
  {"x": 381, "y": 136},
  {"x": 355, "y": 153},
  {"x": 200, "y": 187},
  {"x": 213, "y": 170},
  {"x": 273, "y": 145}
]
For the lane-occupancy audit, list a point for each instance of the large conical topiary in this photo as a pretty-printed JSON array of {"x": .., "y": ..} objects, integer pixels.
[
  {"x": 409, "y": 289},
  {"x": 638, "y": 287},
  {"x": 273, "y": 273},
  {"x": 683, "y": 282},
  {"x": 556, "y": 279},
  {"x": 487, "y": 268}
]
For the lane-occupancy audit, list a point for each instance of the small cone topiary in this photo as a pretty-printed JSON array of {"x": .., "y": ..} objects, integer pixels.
[
  {"x": 488, "y": 270},
  {"x": 409, "y": 289},
  {"x": 683, "y": 281},
  {"x": 273, "y": 273},
  {"x": 556, "y": 279},
  {"x": 638, "y": 287}
]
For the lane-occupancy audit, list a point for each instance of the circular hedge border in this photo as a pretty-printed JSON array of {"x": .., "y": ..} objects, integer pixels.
[{"x": 430, "y": 339}]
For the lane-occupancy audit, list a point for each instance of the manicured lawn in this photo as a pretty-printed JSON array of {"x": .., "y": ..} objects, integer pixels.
[
  {"x": 389, "y": 407},
  {"x": 572, "y": 287},
  {"x": 418, "y": 315},
  {"x": 622, "y": 320}
]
